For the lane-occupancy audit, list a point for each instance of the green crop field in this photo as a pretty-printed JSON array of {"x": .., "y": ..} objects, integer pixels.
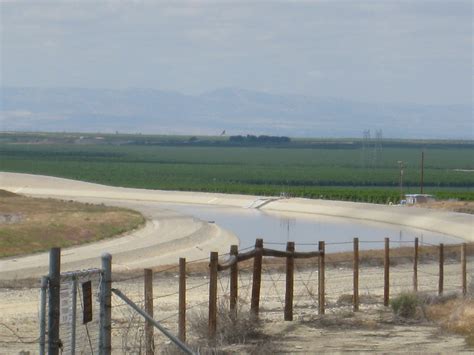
[{"x": 335, "y": 169}]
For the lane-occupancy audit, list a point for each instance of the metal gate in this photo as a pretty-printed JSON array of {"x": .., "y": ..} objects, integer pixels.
[
  {"x": 77, "y": 306},
  {"x": 73, "y": 308},
  {"x": 79, "y": 325}
]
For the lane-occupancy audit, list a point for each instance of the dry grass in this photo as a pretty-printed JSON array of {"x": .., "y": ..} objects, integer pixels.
[
  {"x": 240, "y": 328},
  {"x": 4, "y": 193},
  {"x": 30, "y": 225},
  {"x": 455, "y": 315},
  {"x": 455, "y": 206},
  {"x": 452, "y": 312}
]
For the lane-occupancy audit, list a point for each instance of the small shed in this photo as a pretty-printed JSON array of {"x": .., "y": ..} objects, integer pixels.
[{"x": 418, "y": 198}]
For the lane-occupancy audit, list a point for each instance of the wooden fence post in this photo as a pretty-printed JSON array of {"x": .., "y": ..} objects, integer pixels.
[
  {"x": 464, "y": 268},
  {"x": 322, "y": 281},
  {"x": 213, "y": 294},
  {"x": 257, "y": 278},
  {"x": 149, "y": 328},
  {"x": 54, "y": 299},
  {"x": 234, "y": 282},
  {"x": 356, "y": 275},
  {"x": 441, "y": 269},
  {"x": 290, "y": 265},
  {"x": 386, "y": 287},
  {"x": 415, "y": 267},
  {"x": 182, "y": 300}
]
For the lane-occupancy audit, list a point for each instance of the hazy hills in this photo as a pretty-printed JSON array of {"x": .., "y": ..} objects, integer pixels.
[{"x": 234, "y": 110}]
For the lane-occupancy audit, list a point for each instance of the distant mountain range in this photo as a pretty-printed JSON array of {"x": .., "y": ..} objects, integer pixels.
[{"x": 236, "y": 111}]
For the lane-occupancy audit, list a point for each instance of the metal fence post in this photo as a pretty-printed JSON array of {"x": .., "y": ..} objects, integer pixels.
[
  {"x": 42, "y": 339},
  {"x": 54, "y": 300},
  {"x": 73, "y": 316},
  {"x": 105, "y": 347}
]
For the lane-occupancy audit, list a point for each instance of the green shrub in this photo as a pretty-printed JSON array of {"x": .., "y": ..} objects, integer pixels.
[{"x": 405, "y": 305}]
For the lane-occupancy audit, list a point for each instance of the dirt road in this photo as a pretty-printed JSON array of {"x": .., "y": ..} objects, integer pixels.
[{"x": 373, "y": 329}]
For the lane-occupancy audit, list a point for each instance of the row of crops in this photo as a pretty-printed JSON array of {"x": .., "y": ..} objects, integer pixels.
[{"x": 343, "y": 174}]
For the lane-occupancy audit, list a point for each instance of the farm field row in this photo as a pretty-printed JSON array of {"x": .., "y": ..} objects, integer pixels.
[{"x": 358, "y": 174}]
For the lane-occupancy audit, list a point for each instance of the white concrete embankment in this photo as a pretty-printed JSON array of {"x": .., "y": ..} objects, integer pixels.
[
  {"x": 183, "y": 234},
  {"x": 455, "y": 224},
  {"x": 458, "y": 225}
]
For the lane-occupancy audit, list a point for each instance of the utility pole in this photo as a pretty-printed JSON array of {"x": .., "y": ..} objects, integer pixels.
[
  {"x": 422, "y": 170},
  {"x": 400, "y": 164}
]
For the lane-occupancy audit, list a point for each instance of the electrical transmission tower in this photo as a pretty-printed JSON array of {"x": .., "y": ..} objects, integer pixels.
[
  {"x": 365, "y": 147},
  {"x": 377, "y": 147}
]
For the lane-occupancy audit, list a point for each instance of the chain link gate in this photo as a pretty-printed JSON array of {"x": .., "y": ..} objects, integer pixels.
[
  {"x": 89, "y": 292},
  {"x": 79, "y": 325},
  {"x": 72, "y": 309}
]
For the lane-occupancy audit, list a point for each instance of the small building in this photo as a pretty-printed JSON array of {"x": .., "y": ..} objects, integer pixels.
[{"x": 412, "y": 199}]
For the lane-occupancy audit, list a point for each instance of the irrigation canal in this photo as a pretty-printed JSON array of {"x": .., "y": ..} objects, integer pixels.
[{"x": 306, "y": 231}]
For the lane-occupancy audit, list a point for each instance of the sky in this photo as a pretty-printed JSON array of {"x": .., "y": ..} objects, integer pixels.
[{"x": 369, "y": 51}]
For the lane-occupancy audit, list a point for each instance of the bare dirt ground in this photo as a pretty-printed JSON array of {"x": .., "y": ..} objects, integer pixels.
[
  {"x": 455, "y": 206},
  {"x": 373, "y": 329}
]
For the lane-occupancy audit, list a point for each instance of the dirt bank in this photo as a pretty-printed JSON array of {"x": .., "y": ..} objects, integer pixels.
[
  {"x": 169, "y": 235},
  {"x": 459, "y": 225}
]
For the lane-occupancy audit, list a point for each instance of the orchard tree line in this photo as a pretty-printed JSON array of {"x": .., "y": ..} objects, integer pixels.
[{"x": 263, "y": 139}]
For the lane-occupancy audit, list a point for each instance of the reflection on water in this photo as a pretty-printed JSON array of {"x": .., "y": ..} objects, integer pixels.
[{"x": 307, "y": 230}]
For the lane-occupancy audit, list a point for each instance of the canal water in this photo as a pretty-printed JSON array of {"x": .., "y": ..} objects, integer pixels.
[{"x": 306, "y": 230}]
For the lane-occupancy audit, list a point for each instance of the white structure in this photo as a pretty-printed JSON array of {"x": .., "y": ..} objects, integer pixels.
[{"x": 412, "y": 199}]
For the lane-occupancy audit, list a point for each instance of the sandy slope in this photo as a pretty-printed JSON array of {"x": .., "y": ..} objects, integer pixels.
[{"x": 168, "y": 235}]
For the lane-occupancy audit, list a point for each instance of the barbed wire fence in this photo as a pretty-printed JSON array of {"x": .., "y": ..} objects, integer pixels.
[
  {"x": 439, "y": 270},
  {"x": 338, "y": 288}
]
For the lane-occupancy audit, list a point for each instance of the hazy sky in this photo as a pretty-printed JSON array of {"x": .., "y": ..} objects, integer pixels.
[{"x": 384, "y": 51}]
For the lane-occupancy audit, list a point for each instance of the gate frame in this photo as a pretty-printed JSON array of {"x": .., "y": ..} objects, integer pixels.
[{"x": 50, "y": 293}]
